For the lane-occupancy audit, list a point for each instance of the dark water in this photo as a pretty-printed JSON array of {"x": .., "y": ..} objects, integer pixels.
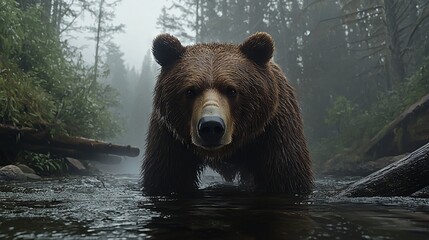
[{"x": 111, "y": 206}]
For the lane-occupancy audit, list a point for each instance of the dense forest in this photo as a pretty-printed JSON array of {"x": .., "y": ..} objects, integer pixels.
[
  {"x": 46, "y": 84},
  {"x": 356, "y": 64}
]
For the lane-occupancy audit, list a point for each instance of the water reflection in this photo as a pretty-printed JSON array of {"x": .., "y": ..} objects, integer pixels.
[
  {"x": 113, "y": 207},
  {"x": 225, "y": 212}
]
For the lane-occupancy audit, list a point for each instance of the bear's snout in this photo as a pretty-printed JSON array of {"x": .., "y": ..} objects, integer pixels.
[
  {"x": 211, "y": 130},
  {"x": 211, "y": 125}
]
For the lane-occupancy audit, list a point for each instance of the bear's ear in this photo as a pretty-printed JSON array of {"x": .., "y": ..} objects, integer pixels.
[
  {"x": 259, "y": 47},
  {"x": 167, "y": 49}
]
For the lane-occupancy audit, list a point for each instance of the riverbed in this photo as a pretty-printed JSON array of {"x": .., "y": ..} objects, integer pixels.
[{"x": 112, "y": 206}]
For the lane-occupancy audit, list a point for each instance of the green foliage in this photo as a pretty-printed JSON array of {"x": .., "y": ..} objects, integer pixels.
[
  {"x": 45, "y": 164},
  {"x": 11, "y": 33},
  {"x": 355, "y": 126},
  {"x": 343, "y": 57},
  {"x": 341, "y": 112},
  {"x": 22, "y": 102},
  {"x": 45, "y": 84},
  {"x": 42, "y": 81}
]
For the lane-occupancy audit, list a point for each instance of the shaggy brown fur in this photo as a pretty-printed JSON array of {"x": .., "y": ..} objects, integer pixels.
[{"x": 268, "y": 149}]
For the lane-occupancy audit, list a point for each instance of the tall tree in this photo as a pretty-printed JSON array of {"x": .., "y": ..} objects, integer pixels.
[
  {"x": 103, "y": 31},
  {"x": 385, "y": 26},
  {"x": 338, "y": 54},
  {"x": 142, "y": 102}
]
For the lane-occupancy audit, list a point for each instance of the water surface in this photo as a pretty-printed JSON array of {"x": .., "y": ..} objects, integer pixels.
[{"x": 112, "y": 206}]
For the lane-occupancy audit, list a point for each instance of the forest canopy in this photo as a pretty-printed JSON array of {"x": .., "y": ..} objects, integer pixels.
[{"x": 46, "y": 84}]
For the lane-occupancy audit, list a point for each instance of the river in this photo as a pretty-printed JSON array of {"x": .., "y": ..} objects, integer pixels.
[{"x": 111, "y": 206}]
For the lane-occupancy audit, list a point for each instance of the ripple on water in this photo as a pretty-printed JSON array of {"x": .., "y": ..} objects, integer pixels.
[{"x": 112, "y": 206}]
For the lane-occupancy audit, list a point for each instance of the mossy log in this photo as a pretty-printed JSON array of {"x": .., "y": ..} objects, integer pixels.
[
  {"x": 41, "y": 141},
  {"x": 402, "y": 178}
]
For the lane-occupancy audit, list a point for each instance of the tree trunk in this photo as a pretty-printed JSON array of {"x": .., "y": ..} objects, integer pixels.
[
  {"x": 46, "y": 14},
  {"x": 397, "y": 68},
  {"x": 56, "y": 15},
  {"x": 197, "y": 22},
  {"x": 97, "y": 44},
  {"x": 401, "y": 178}
]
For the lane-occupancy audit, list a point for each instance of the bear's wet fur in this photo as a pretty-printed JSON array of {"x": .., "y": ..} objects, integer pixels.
[{"x": 263, "y": 141}]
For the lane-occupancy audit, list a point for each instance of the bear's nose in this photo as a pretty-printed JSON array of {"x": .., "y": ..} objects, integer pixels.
[{"x": 211, "y": 130}]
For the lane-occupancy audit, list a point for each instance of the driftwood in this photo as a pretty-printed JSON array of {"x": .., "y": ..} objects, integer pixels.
[
  {"x": 41, "y": 141},
  {"x": 401, "y": 178}
]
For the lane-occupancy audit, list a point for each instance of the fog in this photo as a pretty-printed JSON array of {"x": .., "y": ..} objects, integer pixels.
[
  {"x": 74, "y": 73},
  {"x": 139, "y": 18},
  {"x": 355, "y": 66},
  {"x": 346, "y": 63}
]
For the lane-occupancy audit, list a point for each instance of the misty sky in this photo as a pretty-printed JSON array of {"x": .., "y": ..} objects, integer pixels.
[{"x": 139, "y": 17}]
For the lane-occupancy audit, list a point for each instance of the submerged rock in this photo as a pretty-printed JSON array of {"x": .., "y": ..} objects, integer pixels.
[{"x": 12, "y": 172}]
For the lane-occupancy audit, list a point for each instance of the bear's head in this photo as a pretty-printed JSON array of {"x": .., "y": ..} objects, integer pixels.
[{"x": 215, "y": 97}]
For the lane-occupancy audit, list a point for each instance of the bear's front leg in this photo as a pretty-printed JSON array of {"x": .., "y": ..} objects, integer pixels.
[
  {"x": 169, "y": 167},
  {"x": 280, "y": 164}
]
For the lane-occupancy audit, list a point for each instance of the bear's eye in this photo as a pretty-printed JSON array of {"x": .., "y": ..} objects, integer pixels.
[
  {"x": 190, "y": 93},
  {"x": 231, "y": 92}
]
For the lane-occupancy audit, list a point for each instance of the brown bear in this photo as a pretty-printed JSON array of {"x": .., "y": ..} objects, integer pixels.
[{"x": 228, "y": 107}]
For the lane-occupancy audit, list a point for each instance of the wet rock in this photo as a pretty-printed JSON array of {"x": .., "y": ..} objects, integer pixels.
[
  {"x": 26, "y": 169},
  {"x": 32, "y": 176},
  {"x": 12, "y": 172},
  {"x": 75, "y": 165}
]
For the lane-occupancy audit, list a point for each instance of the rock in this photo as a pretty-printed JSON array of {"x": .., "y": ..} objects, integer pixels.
[
  {"x": 26, "y": 169},
  {"x": 75, "y": 165},
  {"x": 12, "y": 172},
  {"x": 32, "y": 176}
]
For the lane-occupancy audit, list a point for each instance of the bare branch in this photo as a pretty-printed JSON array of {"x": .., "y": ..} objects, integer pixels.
[
  {"x": 416, "y": 27},
  {"x": 345, "y": 16}
]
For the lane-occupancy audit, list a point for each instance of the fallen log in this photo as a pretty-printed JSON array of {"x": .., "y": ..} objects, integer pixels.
[
  {"x": 29, "y": 138},
  {"x": 89, "y": 156},
  {"x": 81, "y": 144},
  {"x": 405, "y": 133},
  {"x": 402, "y": 178}
]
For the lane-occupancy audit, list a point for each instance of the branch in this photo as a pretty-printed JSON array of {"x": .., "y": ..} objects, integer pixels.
[
  {"x": 401, "y": 15},
  {"x": 354, "y": 13},
  {"x": 416, "y": 27}
]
